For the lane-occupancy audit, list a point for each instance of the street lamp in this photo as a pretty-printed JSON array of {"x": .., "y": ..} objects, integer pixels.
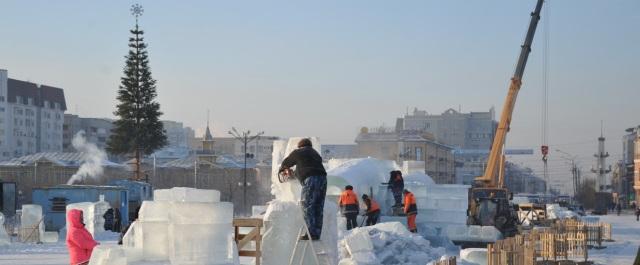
[
  {"x": 245, "y": 138},
  {"x": 574, "y": 170}
]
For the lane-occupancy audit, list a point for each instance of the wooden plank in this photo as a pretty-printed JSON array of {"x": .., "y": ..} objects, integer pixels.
[
  {"x": 250, "y": 253},
  {"x": 248, "y": 222},
  {"x": 248, "y": 238}
]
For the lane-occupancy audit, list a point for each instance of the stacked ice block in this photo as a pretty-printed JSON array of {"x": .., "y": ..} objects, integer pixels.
[
  {"x": 4, "y": 237},
  {"x": 32, "y": 229},
  {"x": 183, "y": 226},
  {"x": 443, "y": 204},
  {"x": 92, "y": 213}
]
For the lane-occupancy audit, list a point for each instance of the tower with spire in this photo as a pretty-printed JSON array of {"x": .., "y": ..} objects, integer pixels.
[
  {"x": 207, "y": 153},
  {"x": 601, "y": 170}
]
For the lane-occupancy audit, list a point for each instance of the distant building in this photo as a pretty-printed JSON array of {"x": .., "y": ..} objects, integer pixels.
[
  {"x": 522, "y": 179},
  {"x": 31, "y": 117},
  {"x": 260, "y": 149},
  {"x": 471, "y": 134},
  {"x": 339, "y": 151},
  {"x": 97, "y": 131},
  {"x": 177, "y": 134},
  {"x": 630, "y": 165},
  {"x": 473, "y": 130},
  {"x": 386, "y": 144}
]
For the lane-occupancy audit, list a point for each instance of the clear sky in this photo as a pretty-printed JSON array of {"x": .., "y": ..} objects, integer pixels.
[{"x": 326, "y": 68}]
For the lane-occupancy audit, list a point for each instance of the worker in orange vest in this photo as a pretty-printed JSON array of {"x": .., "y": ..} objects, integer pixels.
[
  {"x": 349, "y": 206},
  {"x": 411, "y": 210},
  {"x": 373, "y": 210}
]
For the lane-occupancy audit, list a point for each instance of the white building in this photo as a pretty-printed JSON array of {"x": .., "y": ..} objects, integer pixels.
[{"x": 31, "y": 117}]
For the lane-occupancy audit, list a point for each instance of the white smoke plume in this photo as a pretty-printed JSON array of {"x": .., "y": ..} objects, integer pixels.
[{"x": 93, "y": 159}]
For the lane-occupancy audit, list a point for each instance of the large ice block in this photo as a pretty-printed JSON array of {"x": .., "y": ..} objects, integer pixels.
[
  {"x": 108, "y": 255},
  {"x": 200, "y": 244},
  {"x": 154, "y": 211},
  {"x": 32, "y": 228},
  {"x": 88, "y": 215},
  {"x": 4, "y": 237},
  {"x": 132, "y": 242},
  {"x": 442, "y": 216},
  {"x": 155, "y": 240},
  {"x": 184, "y": 194},
  {"x": 358, "y": 241},
  {"x": 201, "y": 213}
]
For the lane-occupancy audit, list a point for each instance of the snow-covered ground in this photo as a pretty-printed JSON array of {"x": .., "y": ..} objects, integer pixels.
[
  {"x": 626, "y": 233},
  {"x": 626, "y": 236}
]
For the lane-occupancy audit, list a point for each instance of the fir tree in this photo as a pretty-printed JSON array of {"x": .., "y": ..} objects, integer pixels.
[{"x": 138, "y": 129}]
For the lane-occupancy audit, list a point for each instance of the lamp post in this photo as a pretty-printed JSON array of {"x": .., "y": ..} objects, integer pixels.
[
  {"x": 245, "y": 138},
  {"x": 574, "y": 170}
]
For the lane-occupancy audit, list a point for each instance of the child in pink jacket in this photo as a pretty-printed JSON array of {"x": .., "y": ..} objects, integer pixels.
[{"x": 79, "y": 241}]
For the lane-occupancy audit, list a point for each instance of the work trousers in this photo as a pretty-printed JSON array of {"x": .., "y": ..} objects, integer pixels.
[
  {"x": 411, "y": 223},
  {"x": 314, "y": 190},
  {"x": 373, "y": 217},
  {"x": 397, "y": 195},
  {"x": 352, "y": 220}
]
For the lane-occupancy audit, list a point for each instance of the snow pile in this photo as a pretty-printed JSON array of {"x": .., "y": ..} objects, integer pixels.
[
  {"x": 386, "y": 243},
  {"x": 282, "y": 222},
  {"x": 364, "y": 174},
  {"x": 182, "y": 226},
  {"x": 92, "y": 214},
  {"x": 32, "y": 227},
  {"x": 4, "y": 237},
  {"x": 555, "y": 211}
]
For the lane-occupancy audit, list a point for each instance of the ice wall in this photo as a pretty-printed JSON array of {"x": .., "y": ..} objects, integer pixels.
[
  {"x": 4, "y": 237},
  {"x": 32, "y": 227},
  {"x": 288, "y": 191}
]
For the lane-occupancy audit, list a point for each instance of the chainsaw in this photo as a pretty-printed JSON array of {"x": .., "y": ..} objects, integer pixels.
[{"x": 286, "y": 175}]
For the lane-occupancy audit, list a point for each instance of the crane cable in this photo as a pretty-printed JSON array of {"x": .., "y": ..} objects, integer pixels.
[{"x": 545, "y": 96}]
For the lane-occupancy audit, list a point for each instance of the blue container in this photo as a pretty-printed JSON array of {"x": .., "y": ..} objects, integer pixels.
[
  {"x": 54, "y": 201},
  {"x": 138, "y": 192}
]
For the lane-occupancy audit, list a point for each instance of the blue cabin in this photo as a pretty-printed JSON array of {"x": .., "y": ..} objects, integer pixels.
[
  {"x": 138, "y": 192},
  {"x": 54, "y": 201}
]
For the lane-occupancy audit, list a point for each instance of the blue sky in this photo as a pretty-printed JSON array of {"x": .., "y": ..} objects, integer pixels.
[{"x": 326, "y": 68}]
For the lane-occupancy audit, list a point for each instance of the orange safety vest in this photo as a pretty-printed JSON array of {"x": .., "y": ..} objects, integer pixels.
[
  {"x": 348, "y": 197},
  {"x": 410, "y": 206},
  {"x": 374, "y": 206}
]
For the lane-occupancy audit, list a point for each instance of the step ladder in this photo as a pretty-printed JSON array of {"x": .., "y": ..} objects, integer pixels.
[{"x": 318, "y": 249}]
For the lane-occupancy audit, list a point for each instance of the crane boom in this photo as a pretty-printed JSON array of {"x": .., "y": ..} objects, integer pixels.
[{"x": 490, "y": 176}]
